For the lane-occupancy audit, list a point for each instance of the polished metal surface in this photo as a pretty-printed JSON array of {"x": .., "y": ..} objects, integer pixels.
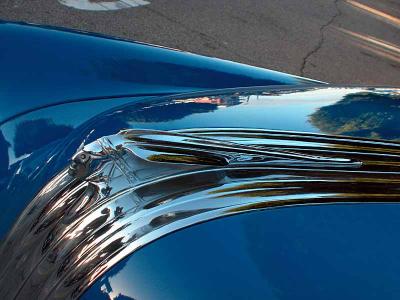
[
  {"x": 183, "y": 160},
  {"x": 125, "y": 190}
]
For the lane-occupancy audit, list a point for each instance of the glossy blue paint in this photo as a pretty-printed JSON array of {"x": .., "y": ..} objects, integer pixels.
[
  {"x": 43, "y": 66},
  {"x": 348, "y": 251},
  {"x": 36, "y": 146},
  {"x": 29, "y": 160}
]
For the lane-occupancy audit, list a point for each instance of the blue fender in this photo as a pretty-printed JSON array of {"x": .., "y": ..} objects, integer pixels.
[{"x": 42, "y": 66}]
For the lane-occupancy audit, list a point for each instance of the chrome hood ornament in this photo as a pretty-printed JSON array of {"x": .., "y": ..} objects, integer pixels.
[{"x": 123, "y": 191}]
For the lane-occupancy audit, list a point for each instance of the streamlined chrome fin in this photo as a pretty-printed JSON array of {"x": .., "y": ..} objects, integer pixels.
[{"x": 123, "y": 191}]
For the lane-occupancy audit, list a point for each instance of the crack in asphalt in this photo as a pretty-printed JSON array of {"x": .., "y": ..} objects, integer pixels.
[
  {"x": 321, "y": 39},
  {"x": 202, "y": 35}
]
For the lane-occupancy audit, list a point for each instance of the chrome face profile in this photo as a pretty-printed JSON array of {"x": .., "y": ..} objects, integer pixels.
[{"x": 123, "y": 191}]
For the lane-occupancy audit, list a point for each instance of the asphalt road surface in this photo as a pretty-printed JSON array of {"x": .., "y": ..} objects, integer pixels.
[{"x": 338, "y": 41}]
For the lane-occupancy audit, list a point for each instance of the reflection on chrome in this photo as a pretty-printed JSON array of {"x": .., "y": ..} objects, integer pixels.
[{"x": 123, "y": 191}]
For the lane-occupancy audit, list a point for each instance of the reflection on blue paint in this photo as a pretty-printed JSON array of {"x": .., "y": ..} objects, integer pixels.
[
  {"x": 35, "y": 146},
  {"x": 306, "y": 252},
  {"x": 67, "y": 65},
  {"x": 294, "y": 109}
]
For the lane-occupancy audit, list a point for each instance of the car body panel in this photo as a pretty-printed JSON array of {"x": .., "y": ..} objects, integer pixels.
[
  {"x": 345, "y": 138},
  {"x": 336, "y": 251},
  {"x": 42, "y": 66}
]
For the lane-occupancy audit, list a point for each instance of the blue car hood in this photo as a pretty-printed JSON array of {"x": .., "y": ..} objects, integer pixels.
[{"x": 42, "y": 66}]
